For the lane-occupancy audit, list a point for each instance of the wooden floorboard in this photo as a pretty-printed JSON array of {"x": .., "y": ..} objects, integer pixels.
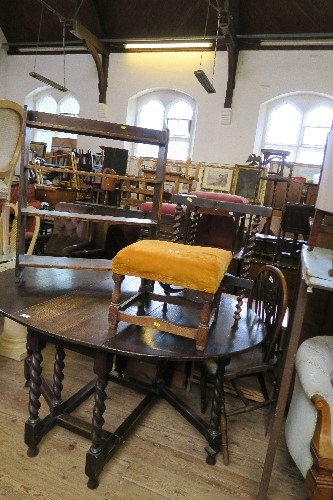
[{"x": 164, "y": 458}]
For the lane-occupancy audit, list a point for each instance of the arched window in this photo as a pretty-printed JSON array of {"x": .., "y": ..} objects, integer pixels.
[
  {"x": 299, "y": 124},
  {"x": 179, "y": 120},
  {"x": 167, "y": 109},
  {"x": 48, "y": 104},
  {"x": 150, "y": 115}
]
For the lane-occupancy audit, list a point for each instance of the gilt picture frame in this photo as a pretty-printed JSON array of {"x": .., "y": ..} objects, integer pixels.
[
  {"x": 247, "y": 182},
  {"x": 218, "y": 178}
]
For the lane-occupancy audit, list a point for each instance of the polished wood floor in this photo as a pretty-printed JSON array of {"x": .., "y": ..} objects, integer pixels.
[{"x": 164, "y": 458}]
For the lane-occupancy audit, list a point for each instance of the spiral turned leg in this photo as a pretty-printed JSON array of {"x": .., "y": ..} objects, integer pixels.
[
  {"x": 32, "y": 425},
  {"x": 218, "y": 420},
  {"x": 58, "y": 374},
  {"x": 98, "y": 420}
]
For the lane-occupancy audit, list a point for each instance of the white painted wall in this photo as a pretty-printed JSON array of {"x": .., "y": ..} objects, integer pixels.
[{"x": 261, "y": 76}]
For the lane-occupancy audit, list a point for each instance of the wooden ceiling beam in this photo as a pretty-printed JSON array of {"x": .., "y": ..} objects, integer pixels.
[
  {"x": 227, "y": 13},
  {"x": 227, "y": 29},
  {"x": 96, "y": 48}
]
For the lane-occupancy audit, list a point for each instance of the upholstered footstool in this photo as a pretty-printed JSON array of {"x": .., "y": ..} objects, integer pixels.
[{"x": 172, "y": 265}]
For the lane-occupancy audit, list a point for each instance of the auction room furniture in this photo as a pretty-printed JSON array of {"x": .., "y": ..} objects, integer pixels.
[
  {"x": 268, "y": 298},
  {"x": 69, "y": 234},
  {"x": 93, "y": 128},
  {"x": 295, "y": 219},
  {"x": 313, "y": 274},
  {"x": 308, "y": 427},
  {"x": 177, "y": 173},
  {"x": 45, "y": 299},
  {"x": 11, "y": 126}
]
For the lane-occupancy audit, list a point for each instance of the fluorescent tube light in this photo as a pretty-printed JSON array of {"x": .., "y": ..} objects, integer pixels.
[
  {"x": 168, "y": 45},
  {"x": 52, "y": 48},
  {"x": 43, "y": 79},
  {"x": 298, "y": 43},
  {"x": 203, "y": 79}
]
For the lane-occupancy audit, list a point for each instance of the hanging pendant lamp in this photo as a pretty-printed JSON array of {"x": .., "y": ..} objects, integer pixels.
[
  {"x": 199, "y": 73},
  {"x": 42, "y": 78}
]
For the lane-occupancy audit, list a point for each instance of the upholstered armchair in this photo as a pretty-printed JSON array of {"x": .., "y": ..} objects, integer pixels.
[
  {"x": 308, "y": 427},
  {"x": 70, "y": 235}
]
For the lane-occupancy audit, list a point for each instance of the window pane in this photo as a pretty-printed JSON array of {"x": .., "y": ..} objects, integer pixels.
[
  {"x": 319, "y": 117},
  {"x": 146, "y": 150},
  {"x": 47, "y": 105},
  {"x": 315, "y": 136},
  {"x": 179, "y": 128},
  {"x": 311, "y": 157},
  {"x": 178, "y": 150},
  {"x": 283, "y": 126},
  {"x": 180, "y": 110},
  {"x": 69, "y": 106},
  {"x": 151, "y": 115},
  {"x": 45, "y": 136}
]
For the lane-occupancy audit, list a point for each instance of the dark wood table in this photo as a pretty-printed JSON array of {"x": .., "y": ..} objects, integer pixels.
[{"x": 69, "y": 309}]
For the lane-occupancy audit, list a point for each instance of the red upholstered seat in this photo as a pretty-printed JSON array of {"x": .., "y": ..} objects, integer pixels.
[
  {"x": 211, "y": 195},
  {"x": 166, "y": 208}
]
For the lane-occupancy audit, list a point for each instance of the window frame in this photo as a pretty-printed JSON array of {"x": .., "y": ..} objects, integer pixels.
[
  {"x": 304, "y": 103},
  {"x": 167, "y": 97},
  {"x": 59, "y": 99}
]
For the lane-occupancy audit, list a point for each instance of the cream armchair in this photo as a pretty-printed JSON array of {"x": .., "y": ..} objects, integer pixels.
[{"x": 309, "y": 421}]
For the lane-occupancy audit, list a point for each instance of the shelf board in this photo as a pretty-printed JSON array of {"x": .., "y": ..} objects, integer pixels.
[{"x": 48, "y": 261}]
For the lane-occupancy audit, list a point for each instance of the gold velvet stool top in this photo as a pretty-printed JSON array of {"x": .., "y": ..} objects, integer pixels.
[{"x": 171, "y": 264}]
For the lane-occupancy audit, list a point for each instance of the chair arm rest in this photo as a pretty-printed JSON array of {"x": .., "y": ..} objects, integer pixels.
[
  {"x": 314, "y": 366},
  {"x": 321, "y": 440}
]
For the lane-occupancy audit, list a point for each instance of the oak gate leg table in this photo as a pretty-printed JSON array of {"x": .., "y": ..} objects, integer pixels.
[{"x": 69, "y": 309}]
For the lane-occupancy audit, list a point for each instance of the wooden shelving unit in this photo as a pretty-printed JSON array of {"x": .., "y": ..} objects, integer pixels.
[{"x": 92, "y": 128}]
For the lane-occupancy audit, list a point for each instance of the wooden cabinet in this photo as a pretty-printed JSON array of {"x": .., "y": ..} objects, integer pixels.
[{"x": 276, "y": 192}]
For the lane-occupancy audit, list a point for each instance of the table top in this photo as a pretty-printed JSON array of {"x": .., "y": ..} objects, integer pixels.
[
  {"x": 72, "y": 306},
  {"x": 316, "y": 264}
]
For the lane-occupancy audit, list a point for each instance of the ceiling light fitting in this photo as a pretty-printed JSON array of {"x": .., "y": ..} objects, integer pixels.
[
  {"x": 40, "y": 77},
  {"x": 203, "y": 79},
  {"x": 299, "y": 43},
  {"x": 43, "y": 79},
  {"x": 200, "y": 74},
  {"x": 168, "y": 45}
]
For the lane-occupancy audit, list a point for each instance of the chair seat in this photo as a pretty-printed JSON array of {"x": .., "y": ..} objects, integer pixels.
[
  {"x": 193, "y": 267},
  {"x": 243, "y": 364}
]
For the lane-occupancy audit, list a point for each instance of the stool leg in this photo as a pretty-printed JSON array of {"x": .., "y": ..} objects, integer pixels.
[
  {"x": 143, "y": 291},
  {"x": 115, "y": 302},
  {"x": 203, "y": 328}
]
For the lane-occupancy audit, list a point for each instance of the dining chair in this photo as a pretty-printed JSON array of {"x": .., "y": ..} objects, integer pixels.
[
  {"x": 268, "y": 299},
  {"x": 11, "y": 134}
]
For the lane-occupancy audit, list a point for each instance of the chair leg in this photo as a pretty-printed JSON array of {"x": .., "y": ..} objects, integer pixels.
[
  {"x": 203, "y": 390},
  {"x": 261, "y": 380},
  {"x": 239, "y": 392}
]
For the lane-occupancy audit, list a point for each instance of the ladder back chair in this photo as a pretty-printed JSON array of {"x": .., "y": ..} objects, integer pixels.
[{"x": 268, "y": 299}]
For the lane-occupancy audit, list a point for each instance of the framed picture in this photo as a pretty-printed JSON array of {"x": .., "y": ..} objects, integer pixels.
[
  {"x": 218, "y": 178},
  {"x": 247, "y": 182}
]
